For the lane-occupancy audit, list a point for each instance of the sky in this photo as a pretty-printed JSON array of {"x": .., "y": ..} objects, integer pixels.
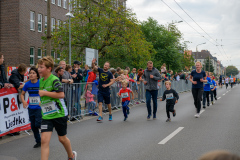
[{"x": 219, "y": 22}]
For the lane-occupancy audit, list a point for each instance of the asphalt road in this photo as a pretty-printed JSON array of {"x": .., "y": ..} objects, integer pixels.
[{"x": 138, "y": 139}]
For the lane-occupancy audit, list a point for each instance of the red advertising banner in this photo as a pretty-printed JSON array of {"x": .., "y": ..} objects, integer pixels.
[{"x": 13, "y": 117}]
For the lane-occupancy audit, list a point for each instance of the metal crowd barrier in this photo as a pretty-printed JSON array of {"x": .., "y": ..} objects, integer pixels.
[{"x": 76, "y": 101}]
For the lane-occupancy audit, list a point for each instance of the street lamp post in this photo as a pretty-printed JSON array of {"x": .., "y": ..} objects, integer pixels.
[
  {"x": 70, "y": 15},
  {"x": 173, "y": 23}
]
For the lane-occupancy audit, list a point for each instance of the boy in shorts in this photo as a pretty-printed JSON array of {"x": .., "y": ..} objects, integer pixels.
[
  {"x": 172, "y": 97},
  {"x": 54, "y": 111}
]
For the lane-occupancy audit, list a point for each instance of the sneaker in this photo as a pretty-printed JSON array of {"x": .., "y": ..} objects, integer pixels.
[
  {"x": 197, "y": 115},
  {"x": 216, "y": 98},
  {"x": 110, "y": 117},
  {"x": 154, "y": 117},
  {"x": 74, "y": 156},
  {"x": 99, "y": 119},
  {"x": 125, "y": 118},
  {"x": 90, "y": 113},
  {"x": 204, "y": 107},
  {"x": 95, "y": 114},
  {"x": 37, "y": 145},
  {"x": 168, "y": 120},
  {"x": 128, "y": 111},
  {"x": 174, "y": 113},
  {"x": 212, "y": 102},
  {"x": 208, "y": 104},
  {"x": 148, "y": 117}
]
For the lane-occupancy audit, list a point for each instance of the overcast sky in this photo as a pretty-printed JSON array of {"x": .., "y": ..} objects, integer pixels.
[{"x": 220, "y": 19}]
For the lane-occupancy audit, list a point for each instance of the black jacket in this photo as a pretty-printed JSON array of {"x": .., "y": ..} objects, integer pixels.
[
  {"x": 79, "y": 77},
  {"x": 16, "y": 78},
  {"x": 3, "y": 78}
]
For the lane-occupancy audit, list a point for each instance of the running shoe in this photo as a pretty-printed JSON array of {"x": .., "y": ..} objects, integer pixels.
[
  {"x": 110, "y": 117},
  {"x": 125, "y": 118},
  {"x": 74, "y": 156},
  {"x": 99, "y": 119},
  {"x": 154, "y": 117},
  {"x": 168, "y": 120},
  {"x": 216, "y": 98},
  {"x": 174, "y": 113},
  {"x": 37, "y": 145},
  {"x": 208, "y": 104},
  {"x": 212, "y": 102},
  {"x": 197, "y": 115},
  {"x": 128, "y": 111},
  {"x": 95, "y": 114},
  {"x": 204, "y": 107},
  {"x": 148, "y": 117}
]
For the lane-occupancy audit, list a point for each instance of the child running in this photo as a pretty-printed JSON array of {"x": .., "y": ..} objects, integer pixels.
[
  {"x": 213, "y": 89},
  {"x": 34, "y": 110},
  {"x": 172, "y": 97},
  {"x": 54, "y": 111},
  {"x": 124, "y": 93}
]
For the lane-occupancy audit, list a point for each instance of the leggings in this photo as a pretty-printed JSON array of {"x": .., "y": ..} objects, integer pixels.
[
  {"x": 197, "y": 96},
  {"x": 169, "y": 108}
]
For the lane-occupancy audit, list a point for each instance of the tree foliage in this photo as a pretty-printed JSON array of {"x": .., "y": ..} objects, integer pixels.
[
  {"x": 166, "y": 42},
  {"x": 206, "y": 65},
  {"x": 107, "y": 27},
  {"x": 231, "y": 71}
]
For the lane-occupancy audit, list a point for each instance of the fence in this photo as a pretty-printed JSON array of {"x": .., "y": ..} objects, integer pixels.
[{"x": 76, "y": 101}]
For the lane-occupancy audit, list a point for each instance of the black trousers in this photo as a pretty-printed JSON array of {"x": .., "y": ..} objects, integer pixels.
[
  {"x": 169, "y": 108},
  {"x": 205, "y": 95},
  {"x": 197, "y": 96}
]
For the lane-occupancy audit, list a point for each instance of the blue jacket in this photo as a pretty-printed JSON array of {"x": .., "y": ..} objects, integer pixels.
[{"x": 207, "y": 85}]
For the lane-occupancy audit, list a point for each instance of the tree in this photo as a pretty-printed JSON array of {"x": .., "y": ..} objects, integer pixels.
[
  {"x": 112, "y": 30},
  {"x": 166, "y": 42},
  {"x": 188, "y": 61},
  {"x": 206, "y": 65},
  {"x": 231, "y": 71}
]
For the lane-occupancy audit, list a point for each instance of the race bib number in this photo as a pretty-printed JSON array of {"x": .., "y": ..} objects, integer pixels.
[
  {"x": 169, "y": 96},
  {"x": 212, "y": 86},
  {"x": 34, "y": 100},
  {"x": 48, "y": 108},
  {"x": 205, "y": 83},
  {"x": 124, "y": 95}
]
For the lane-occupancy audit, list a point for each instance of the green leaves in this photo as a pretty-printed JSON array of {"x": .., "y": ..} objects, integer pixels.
[{"x": 231, "y": 71}]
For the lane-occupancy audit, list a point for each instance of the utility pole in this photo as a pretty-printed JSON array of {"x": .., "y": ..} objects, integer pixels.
[{"x": 48, "y": 28}]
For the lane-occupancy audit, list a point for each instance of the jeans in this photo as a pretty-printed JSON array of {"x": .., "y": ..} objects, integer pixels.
[
  {"x": 125, "y": 108},
  {"x": 153, "y": 94},
  {"x": 35, "y": 117},
  {"x": 205, "y": 95},
  {"x": 197, "y": 96}
]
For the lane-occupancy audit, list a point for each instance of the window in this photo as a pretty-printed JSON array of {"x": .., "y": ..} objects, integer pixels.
[
  {"x": 58, "y": 23},
  {"x": 53, "y": 24},
  {"x": 53, "y": 54},
  {"x": 39, "y": 23},
  {"x": 39, "y": 53},
  {"x": 59, "y": 3},
  {"x": 65, "y": 4},
  {"x": 53, "y": 1},
  {"x": 31, "y": 56},
  {"x": 32, "y": 20},
  {"x": 70, "y": 5},
  {"x": 45, "y": 22}
]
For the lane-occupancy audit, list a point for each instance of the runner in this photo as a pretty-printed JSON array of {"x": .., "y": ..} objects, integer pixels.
[
  {"x": 226, "y": 82},
  {"x": 220, "y": 81},
  {"x": 213, "y": 89},
  {"x": 34, "y": 110},
  {"x": 105, "y": 80},
  {"x": 197, "y": 78},
  {"x": 206, "y": 91},
  {"x": 54, "y": 111},
  {"x": 231, "y": 81}
]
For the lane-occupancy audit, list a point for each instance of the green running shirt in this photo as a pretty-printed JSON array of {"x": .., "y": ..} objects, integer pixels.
[{"x": 52, "y": 84}]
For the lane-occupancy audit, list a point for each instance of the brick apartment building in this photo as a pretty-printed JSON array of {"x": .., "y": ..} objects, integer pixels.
[{"x": 23, "y": 23}]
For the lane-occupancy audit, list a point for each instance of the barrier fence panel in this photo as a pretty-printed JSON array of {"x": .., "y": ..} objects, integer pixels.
[{"x": 75, "y": 96}]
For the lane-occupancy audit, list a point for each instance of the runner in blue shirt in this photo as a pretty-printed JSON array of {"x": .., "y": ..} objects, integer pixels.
[
  {"x": 213, "y": 89},
  {"x": 34, "y": 109},
  {"x": 206, "y": 91}
]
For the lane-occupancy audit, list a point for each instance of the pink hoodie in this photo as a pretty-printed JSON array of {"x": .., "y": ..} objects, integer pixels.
[{"x": 89, "y": 97}]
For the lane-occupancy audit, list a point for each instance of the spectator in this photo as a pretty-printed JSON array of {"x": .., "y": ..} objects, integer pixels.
[
  {"x": 163, "y": 68},
  {"x": 59, "y": 71},
  {"x": 3, "y": 80},
  {"x": 17, "y": 77},
  {"x": 85, "y": 72},
  {"x": 151, "y": 76},
  {"x": 69, "y": 68},
  {"x": 77, "y": 72},
  {"x": 182, "y": 75},
  {"x": 113, "y": 71},
  {"x": 66, "y": 77},
  {"x": 117, "y": 72},
  {"x": 128, "y": 69},
  {"x": 140, "y": 74}
]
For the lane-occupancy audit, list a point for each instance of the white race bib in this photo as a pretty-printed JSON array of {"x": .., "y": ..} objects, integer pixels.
[
  {"x": 212, "y": 86},
  {"x": 34, "y": 100},
  {"x": 48, "y": 108},
  {"x": 169, "y": 96},
  {"x": 124, "y": 95},
  {"x": 205, "y": 83}
]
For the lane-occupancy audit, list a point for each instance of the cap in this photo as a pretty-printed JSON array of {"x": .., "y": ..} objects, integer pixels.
[{"x": 77, "y": 62}]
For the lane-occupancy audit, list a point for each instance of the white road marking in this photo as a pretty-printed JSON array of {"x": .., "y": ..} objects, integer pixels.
[
  {"x": 165, "y": 140},
  {"x": 219, "y": 97},
  {"x": 202, "y": 110},
  {"x": 224, "y": 94}
]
